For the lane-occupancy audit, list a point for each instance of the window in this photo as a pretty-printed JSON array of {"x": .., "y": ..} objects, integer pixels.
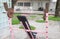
[
  {"x": 23, "y": 4},
  {"x": 20, "y": 4},
  {"x": 26, "y": 4}
]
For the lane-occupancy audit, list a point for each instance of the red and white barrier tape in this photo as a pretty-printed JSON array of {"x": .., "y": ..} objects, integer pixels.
[
  {"x": 38, "y": 31},
  {"x": 11, "y": 28},
  {"x": 46, "y": 25},
  {"x": 29, "y": 29}
]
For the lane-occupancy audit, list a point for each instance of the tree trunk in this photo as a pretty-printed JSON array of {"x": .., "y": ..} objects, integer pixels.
[
  {"x": 57, "y": 12},
  {"x": 13, "y": 3}
]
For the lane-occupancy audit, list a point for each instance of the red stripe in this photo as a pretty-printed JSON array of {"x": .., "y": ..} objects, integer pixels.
[
  {"x": 46, "y": 25},
  {"x": 11, "y": 28}
]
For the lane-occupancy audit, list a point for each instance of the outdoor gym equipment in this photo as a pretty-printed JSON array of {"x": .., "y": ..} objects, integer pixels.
[
  {"x": 10, "y": 14},
  {"x": 26, "y": 25},
  {"x": 9, "y": 19}
]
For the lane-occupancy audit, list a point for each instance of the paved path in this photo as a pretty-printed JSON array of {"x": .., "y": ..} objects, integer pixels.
[{"x": 54, "y": 30}]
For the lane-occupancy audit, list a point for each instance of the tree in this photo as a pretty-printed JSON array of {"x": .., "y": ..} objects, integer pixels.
[
  {"x": 57, "y": 10},
  {"x": 13, "y": 3}
]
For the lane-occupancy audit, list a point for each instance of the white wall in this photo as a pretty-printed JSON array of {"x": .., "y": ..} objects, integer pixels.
[
  {"x": 52, "y": 6},
  {"x": 35, "y": 5},
  {"x": 39, "y": 4}
]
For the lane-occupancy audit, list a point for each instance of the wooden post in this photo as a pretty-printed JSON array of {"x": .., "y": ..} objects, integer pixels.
[
  {"x": 6, "y": 6},
  {"x": 10, "y": 12},
  {"x": 46, "y": 19},
  {"x": 46, "y": 10}
]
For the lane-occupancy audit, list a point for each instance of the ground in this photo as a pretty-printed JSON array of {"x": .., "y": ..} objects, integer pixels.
[{"x": 53, "y": 28}]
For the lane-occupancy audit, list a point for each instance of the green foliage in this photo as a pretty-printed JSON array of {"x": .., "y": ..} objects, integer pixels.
[
  {"x": 40, "y": 21},
  {"x": 32, "y": 16},
  {"x": 32, "y": 27},
  {"x": 54, "y": 18},
  {"x": 15, "y": 20}
]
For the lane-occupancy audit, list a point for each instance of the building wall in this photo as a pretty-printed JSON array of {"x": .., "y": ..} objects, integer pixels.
[
  {"x": 33, "y": 0},
  {"x": 37, "y": 4},
  {"x": 52, "y": 6},
  {"x": 24, "y": 0}
]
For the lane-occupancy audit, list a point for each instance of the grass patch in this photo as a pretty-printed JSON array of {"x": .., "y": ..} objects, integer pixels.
[
  {"x": 15, "y": 20},
  {"x": 40, "y": 21},
  {"x": 32, "y": 16},
  {"x": 54, "y": 18},
  {"x": 32, "y": 27},
  {"x": 50, "y": 18}
]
